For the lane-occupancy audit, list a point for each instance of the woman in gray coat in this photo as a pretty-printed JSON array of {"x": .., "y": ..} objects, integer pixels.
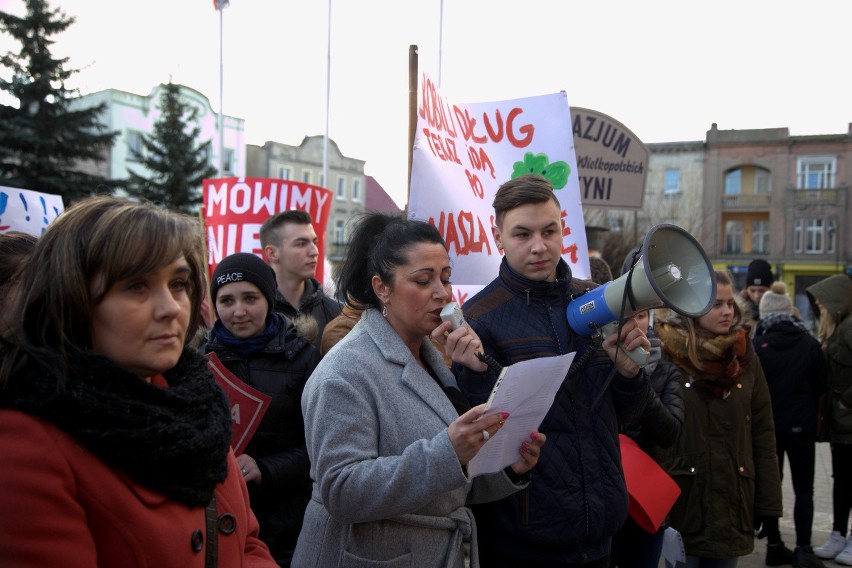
[{"x": 388, "y": 432}]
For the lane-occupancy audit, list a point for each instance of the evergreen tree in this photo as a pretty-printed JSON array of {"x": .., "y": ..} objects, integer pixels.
[
  {"x": 176, "y": 165},
  {"x": 45, "y": 143}
]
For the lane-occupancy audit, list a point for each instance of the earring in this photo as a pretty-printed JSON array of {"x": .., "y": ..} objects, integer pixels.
[{"x": 384, "y": 311}]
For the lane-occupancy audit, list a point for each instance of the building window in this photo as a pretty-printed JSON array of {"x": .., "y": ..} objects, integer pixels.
[
  {"x": 284, "y": 173},
  {"x": 356, "y": 190},
  {"x": 814, "y": 236},
  {"x": 341, "y": 187},
  {"x": 228, "y": 161},
  {"x": 733, "y": 181},
  {"x": 816, "y": 172},
  {"x": 733, "y": 236},
  {"x": 207, "y": 155},
  {"x": 322, "y": 179},
  {"x": 761, "y": 181},
  {"x": 339, "y": 236},
  {"x": 671, "y": 181},
  {"x": 798, "y": 234},
  {"x": 760, "y": 237},
  {"x": 135, "y": 149},
  {"x": 615, "y": 224},
  {"x": 306, "y": 176},
  {"x": 831, "y": 233}
]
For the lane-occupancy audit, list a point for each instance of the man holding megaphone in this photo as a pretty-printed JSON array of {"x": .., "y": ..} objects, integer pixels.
[{"x": 577, "y": 499}]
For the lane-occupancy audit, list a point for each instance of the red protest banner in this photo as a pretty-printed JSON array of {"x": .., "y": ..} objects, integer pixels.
[
  {"x": 235, "y": 208},
  {"x": 248, "y": 405}
]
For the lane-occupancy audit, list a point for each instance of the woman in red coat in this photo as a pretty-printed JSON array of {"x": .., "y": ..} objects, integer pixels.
[{"x": 115, "y": 439}]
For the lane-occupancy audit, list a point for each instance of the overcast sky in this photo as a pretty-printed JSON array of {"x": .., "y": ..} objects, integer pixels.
[{"x": 665, "y": 69}]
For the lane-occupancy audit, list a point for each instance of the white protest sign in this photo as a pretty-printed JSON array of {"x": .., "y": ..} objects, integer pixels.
[
  {"x": 27, "y": 211},
  {"x": 464, "y": 152}
]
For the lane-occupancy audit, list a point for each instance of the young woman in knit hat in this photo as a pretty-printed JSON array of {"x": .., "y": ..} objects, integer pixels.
[
  {"x": 796, "y": 372},
  {"x": 759, "y": 278},
  {"x": 271, "y": 354}
]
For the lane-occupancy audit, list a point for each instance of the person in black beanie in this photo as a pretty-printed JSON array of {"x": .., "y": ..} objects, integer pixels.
[
  {"x": 268, "y": 352},
  {"x": 758, "y": 280}
]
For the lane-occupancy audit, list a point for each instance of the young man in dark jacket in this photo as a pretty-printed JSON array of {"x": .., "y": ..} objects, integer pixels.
[
  {"x": 290, "y": 246},
  {"x": 577, "y": 499}
]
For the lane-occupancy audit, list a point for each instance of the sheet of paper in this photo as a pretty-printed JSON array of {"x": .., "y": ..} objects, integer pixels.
[{"x": 526, "y": 391}]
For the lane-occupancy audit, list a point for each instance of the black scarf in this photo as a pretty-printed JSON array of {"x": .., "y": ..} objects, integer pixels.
[{"x": 174, "y": 440}]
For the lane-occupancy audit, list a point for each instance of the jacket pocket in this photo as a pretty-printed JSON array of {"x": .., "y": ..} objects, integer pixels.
[
  {"x": 841, "y": 418},
  {"x": 746, "y": 489},
  {"x": 687, "y": 514},
  {"x": 349, "y": 560}
]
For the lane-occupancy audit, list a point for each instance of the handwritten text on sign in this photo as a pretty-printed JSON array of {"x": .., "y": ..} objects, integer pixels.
[{"x": 464, "y": 152}]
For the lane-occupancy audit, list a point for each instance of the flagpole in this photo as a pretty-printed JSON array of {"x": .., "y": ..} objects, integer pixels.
[
  {"x": 440, "y": 42},
  {"x": 221, "y": 91},
  {"x": 327, "y": 99}
]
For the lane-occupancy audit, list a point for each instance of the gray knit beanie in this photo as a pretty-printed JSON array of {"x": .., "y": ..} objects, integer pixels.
[{"x": 776, "y": 300}]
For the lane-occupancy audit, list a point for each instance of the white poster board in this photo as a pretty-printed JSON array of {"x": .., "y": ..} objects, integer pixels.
[
  {"x": 28, "y": 211},
  {"x": 464, "y": 152}
]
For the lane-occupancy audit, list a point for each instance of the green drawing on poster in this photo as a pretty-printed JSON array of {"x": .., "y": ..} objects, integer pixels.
[{"x": 557, "y": 172}]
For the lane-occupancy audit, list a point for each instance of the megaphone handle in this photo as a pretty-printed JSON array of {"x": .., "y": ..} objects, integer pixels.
[{"x": 639, "y": 355}]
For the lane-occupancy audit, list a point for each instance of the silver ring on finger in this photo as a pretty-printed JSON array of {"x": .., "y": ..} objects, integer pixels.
[{"x": 485, "y": 435}]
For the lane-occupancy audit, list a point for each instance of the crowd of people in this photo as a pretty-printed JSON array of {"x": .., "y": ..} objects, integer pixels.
[{"x": 117, "y": 439}]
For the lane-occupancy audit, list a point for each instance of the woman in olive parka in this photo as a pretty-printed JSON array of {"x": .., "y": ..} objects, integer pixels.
[
  {"x": 724, "y": 460},
  {"x": 831, "y": 300}
]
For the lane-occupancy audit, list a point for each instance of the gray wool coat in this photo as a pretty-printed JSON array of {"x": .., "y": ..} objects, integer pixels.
[{"x": 388, "y": 488}]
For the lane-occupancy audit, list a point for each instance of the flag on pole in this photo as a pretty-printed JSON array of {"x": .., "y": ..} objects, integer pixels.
[{"x": 221, "y": 4}]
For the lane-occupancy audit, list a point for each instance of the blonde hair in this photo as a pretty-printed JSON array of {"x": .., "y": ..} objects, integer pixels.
[{"x": 826, "y": 324}]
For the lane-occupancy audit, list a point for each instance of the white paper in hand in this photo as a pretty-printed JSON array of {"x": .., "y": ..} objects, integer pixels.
[{"x": 526, "y": 391}]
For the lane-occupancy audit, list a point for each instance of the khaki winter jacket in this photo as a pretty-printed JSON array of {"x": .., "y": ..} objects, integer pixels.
[{"x": 725, "y": 465}]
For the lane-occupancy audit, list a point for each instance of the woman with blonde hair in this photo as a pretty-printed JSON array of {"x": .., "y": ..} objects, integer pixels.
[
  {"x": 831, "y": 300},
  {"x": 724, "y": 460},
  {"x": 115, "y": 438}
]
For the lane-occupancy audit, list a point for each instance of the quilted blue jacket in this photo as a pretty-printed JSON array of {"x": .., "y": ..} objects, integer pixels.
[{"x": 577, "y": 498}]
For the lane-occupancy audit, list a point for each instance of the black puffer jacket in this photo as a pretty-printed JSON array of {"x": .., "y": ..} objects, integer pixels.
[
  {"x": 796, "y": 371},
  {"x": 662, "y": 419},
  {"x": 577, "y": 498},
  {"x": 280, "y": 370},
  {"x": 314, "y": 304}
]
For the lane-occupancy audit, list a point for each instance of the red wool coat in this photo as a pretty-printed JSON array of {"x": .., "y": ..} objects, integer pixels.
[{"x": 60, "y": 505}]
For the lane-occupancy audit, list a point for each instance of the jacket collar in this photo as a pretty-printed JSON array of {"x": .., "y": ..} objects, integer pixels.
[
  {"x": 520, "y": 284},
  {"x": 413, "y": 376}
]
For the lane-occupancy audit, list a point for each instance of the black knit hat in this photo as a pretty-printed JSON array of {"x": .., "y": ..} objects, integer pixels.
[
  {"x": 243, "y": 266},
  {"x": 759, "y": 273}
]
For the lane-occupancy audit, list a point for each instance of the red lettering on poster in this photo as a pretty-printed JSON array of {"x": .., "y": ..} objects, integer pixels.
[{"x": 463, "y": 233}]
